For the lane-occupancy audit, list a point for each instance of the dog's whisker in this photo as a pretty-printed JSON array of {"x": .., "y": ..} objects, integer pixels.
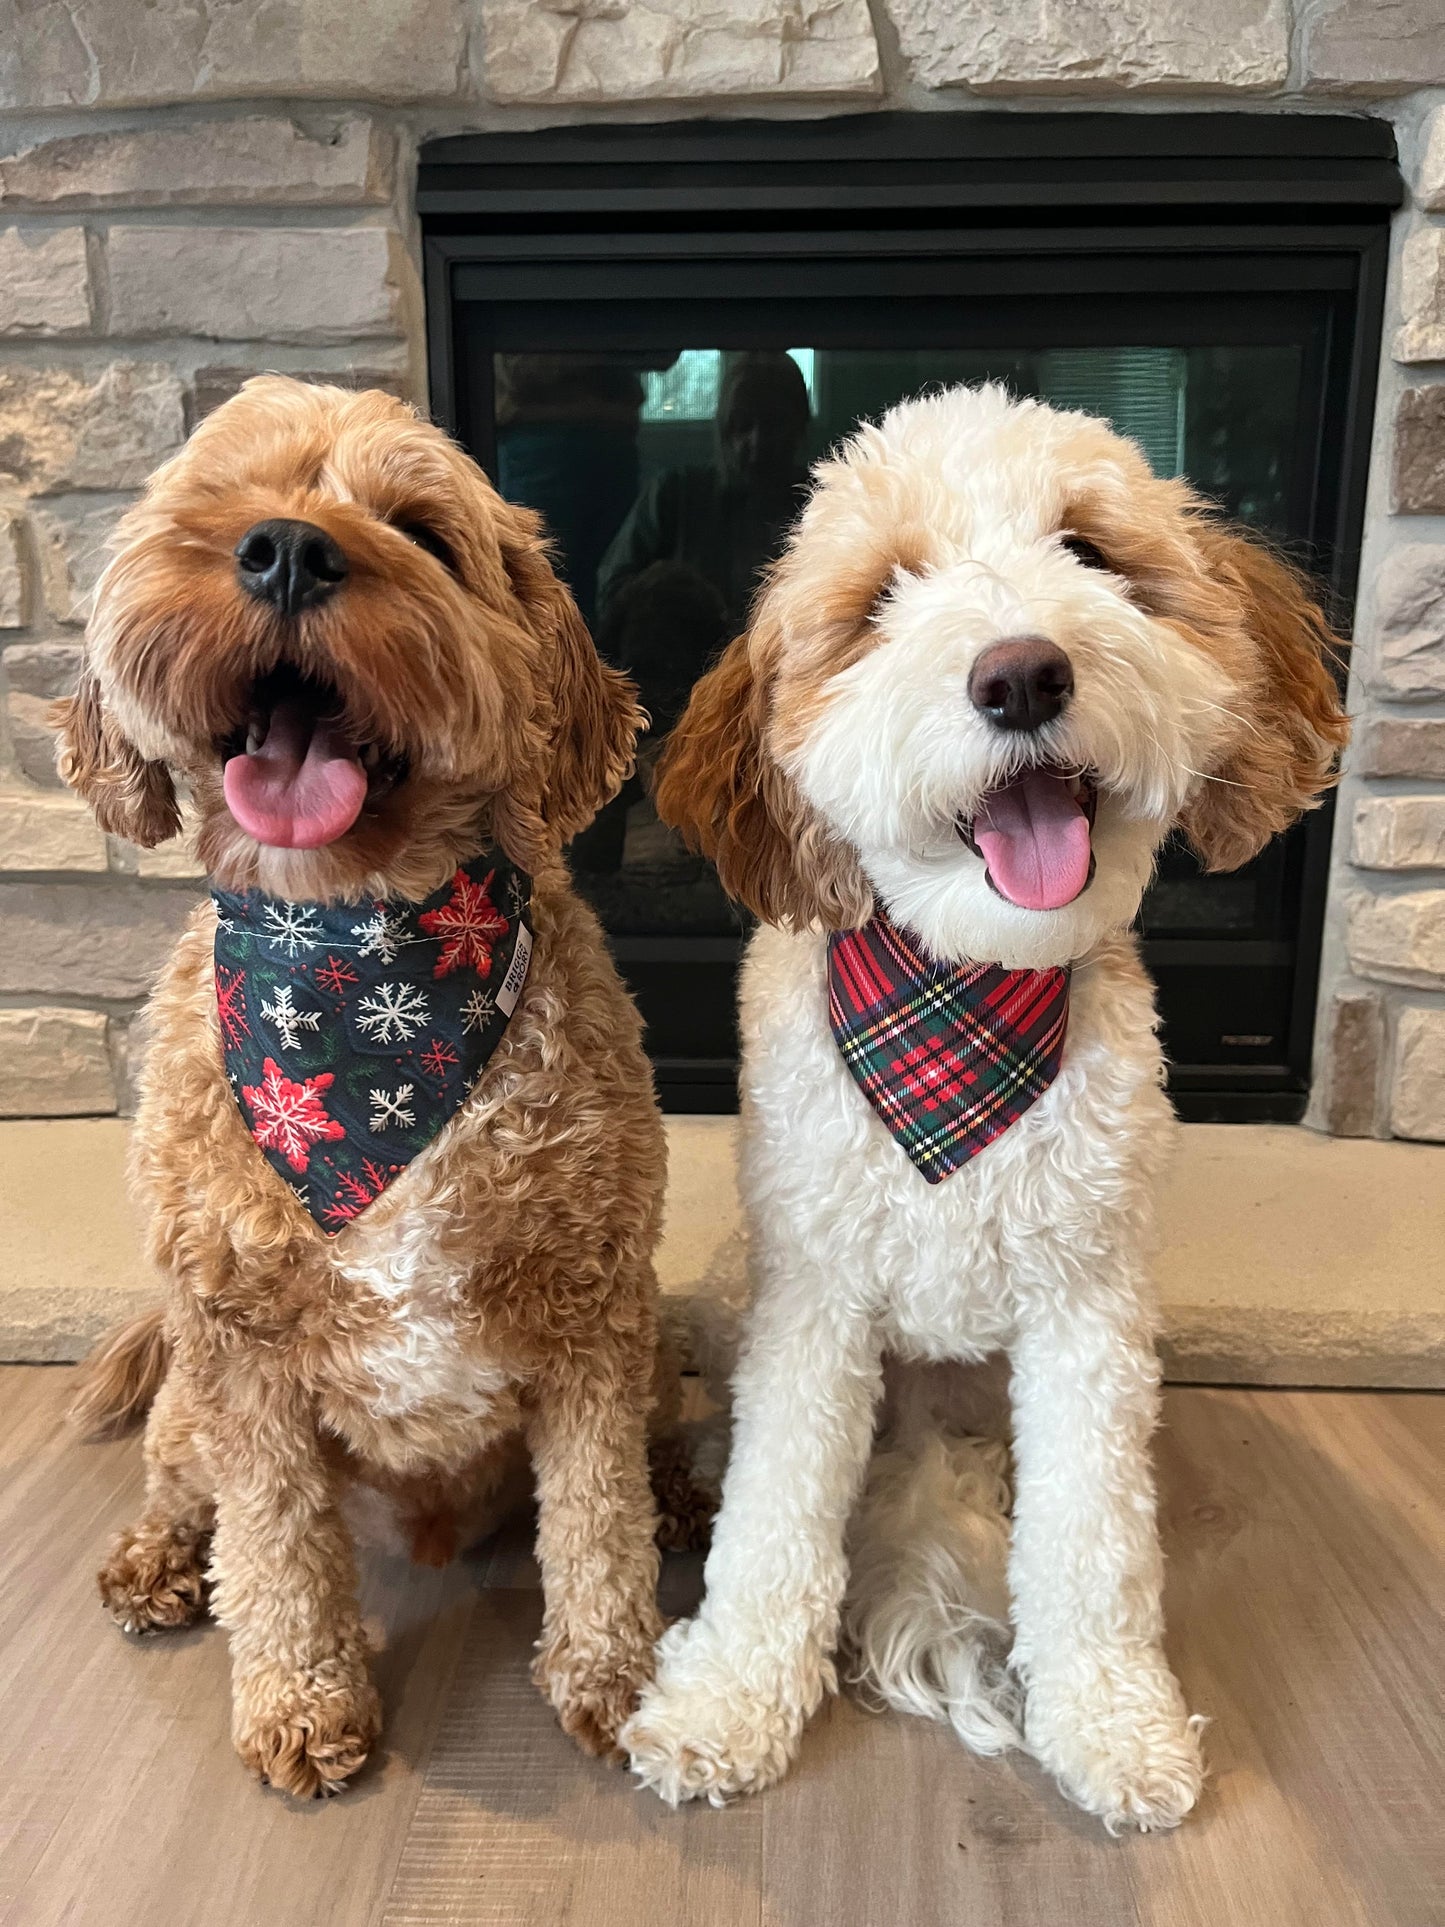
[
  {"x": 1204, "y": 776},
  {"x": 1255, "y": 729}
]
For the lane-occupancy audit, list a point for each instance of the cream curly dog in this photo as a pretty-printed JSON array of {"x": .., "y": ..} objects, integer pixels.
[
  {"x": 997, "y": 664},
  {"x": 360, "y": 659}
]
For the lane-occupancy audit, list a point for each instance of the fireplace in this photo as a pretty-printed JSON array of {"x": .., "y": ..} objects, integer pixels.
[{"x": 648, "y": 333}]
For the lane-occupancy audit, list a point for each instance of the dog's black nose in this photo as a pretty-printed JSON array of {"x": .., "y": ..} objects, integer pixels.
[
  {"x": 1021, "y": 684},
  {"x": 291, "y": 565}
]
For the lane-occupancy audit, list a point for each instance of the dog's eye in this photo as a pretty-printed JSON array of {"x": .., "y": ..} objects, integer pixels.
[
  {"x": 429, "y": 540},
  {"x": 1086, "y": 552},
  {"x": 899, "y": 576}
]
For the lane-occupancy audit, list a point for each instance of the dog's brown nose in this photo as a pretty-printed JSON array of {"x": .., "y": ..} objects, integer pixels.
[
  {"x": 291, "y": 565},
  {"x": 1021, "y": 684}
]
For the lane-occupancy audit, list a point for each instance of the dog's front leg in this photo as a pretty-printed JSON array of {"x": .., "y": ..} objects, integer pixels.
[
  {"x": 736, "y": 1684},
  {"x": 1104, "y": 1713},
  {"x": 596, "y": 1541},
  {"x": 304, "y": 1710}
]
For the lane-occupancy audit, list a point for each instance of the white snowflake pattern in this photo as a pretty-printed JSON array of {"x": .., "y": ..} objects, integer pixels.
[
  {"x": 383, "y": 934},
  {"x": 516, "y": 895},
  {"x": 291, "y": 927},
  {"x": 289, "y": 1021},
  {"x": 391, "y": 1110},
  {"x": 303, "y": 1194},
  {"x": 393, "y": 1014},
  {"x": 478, "y": 1010}
]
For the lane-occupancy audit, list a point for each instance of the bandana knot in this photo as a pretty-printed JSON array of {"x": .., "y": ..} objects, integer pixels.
[
  {"x": 352, "y": 1033},
  {"x": 948, "y": 1055}
]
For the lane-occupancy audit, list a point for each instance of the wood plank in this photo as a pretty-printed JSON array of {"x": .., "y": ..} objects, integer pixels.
[
  {"x": 1295, "y": 1630},
  {"x": 1305, "y": 1534},
  {"x": 119, "y": 1793},
  {"x": 887, "y": 1819},
  {"x": 515, "y": 1827}
]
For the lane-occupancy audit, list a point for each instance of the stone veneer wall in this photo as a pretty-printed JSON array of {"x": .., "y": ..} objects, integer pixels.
[{"x": 194, "y": 189}]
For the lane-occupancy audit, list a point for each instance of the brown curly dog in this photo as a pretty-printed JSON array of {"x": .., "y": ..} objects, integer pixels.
[{"x": 428, "y": 693}]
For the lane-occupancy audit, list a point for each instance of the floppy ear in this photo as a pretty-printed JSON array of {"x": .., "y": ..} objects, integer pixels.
[
  {"x": 1293, "y": 723},
  {"x": 596, "y": 721},
  {"x": 130, "y": 797},
  {"x": 590, "y": 718},
  {"x": 719, "y": 784}
]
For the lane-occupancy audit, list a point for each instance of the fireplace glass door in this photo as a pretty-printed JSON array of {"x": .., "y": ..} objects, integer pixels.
[{"x": 660, "y": 407}]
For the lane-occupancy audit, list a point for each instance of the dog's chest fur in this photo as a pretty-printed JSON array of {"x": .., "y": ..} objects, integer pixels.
[
  {"x": 425, "y": 1356},
  {"x": 1056, "y": 1204}
]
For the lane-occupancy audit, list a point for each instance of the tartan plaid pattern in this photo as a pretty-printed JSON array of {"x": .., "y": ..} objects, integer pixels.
[{"x": 948, "y": 1055}]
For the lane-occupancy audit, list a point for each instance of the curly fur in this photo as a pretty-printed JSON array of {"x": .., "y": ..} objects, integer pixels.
[
  {"x": 502, "y": 1288},
  {"x": 824, "y": 763},
  {"x": 117, "y": 1383}
]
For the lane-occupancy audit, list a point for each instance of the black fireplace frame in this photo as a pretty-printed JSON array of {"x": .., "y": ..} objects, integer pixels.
[{"x": 1023, "y": 206}]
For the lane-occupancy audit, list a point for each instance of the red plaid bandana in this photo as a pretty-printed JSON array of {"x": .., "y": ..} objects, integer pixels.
[{"x": 948, "y": 1055}]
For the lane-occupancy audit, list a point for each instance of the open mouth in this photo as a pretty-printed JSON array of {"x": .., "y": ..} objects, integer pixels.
[
  {"x": 1034, "y": 834},
  {"x": 295, "y": 774}
]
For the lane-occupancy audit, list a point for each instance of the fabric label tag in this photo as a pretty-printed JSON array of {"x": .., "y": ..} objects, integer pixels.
[{"x": 516, "y": 975}]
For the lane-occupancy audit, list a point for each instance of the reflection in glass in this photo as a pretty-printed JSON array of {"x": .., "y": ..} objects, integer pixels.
[
  {"x": 567, "y": 446},
  {"x": 669, "y": 479}
]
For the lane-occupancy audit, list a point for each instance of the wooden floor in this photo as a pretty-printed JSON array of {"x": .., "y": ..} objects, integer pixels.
[{"x": 1305, "y": 1533}]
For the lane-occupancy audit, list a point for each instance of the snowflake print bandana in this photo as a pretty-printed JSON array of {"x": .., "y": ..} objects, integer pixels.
[
  {"x": 948, "y": 1055},
  {"x": 352, "y": 1033}
]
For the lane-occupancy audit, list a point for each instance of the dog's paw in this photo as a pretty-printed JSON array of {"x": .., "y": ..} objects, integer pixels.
[
  {"x": 594, "y": 1688},
  {"x": 306, "y": 1733},
  {"x": 685, "y": 1509},
  {"x": 1123, "y": 1748},
  {"x": 704, "y": 1733},
  {"x": 155, "y": 1581}
]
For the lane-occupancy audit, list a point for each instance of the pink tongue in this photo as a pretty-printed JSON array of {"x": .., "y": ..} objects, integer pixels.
[
  {"x": 1035, "y": 840},
  {"x": 302, "y": 788}
]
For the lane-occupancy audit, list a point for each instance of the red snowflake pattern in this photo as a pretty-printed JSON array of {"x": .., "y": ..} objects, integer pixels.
[
  {"x": 467, "y": 925},
  {"x": 335, "y": 975},
  {"x": 231, "y": 1005},
  {"x": 290, "y": 1117},
  {"x": 355, "y": 1192},
  {"x": 438, "y": 1058}
]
